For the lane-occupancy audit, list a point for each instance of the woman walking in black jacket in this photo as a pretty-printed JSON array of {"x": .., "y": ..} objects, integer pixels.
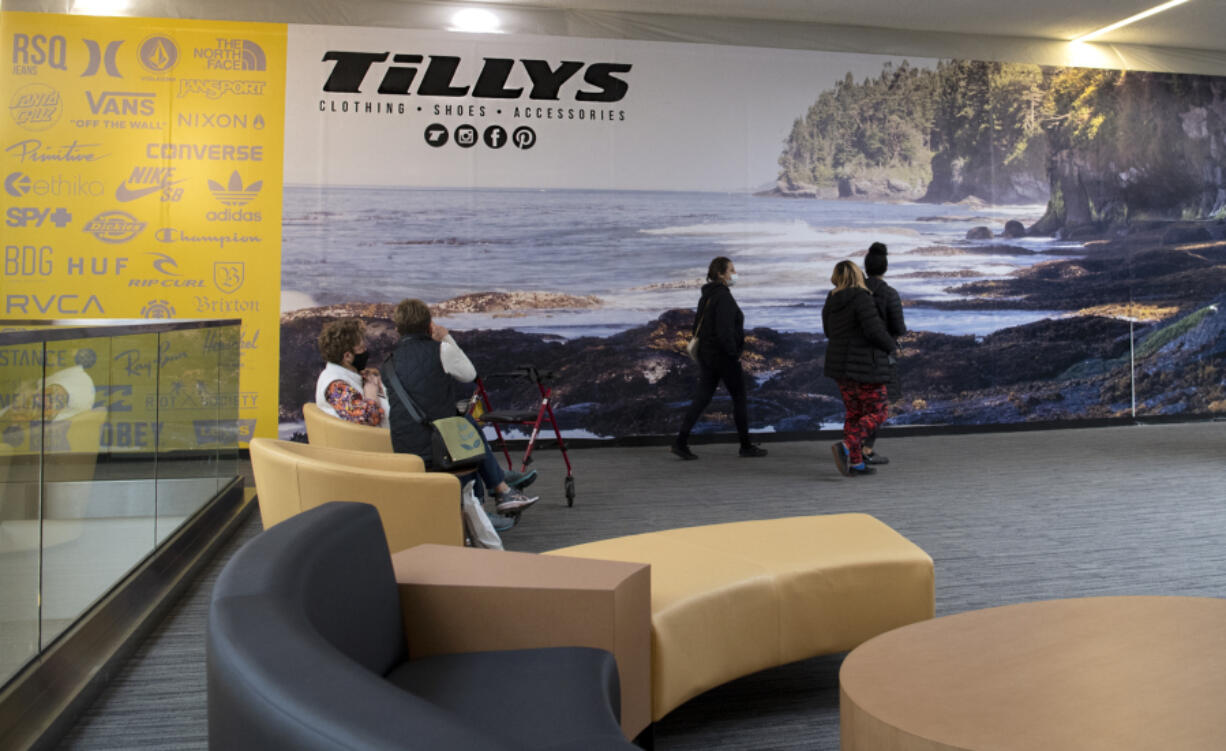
[
  {"x": 858, "y": 359},
  {"x": 889, "y": 306},
  {"x": 720, "y": 328}
]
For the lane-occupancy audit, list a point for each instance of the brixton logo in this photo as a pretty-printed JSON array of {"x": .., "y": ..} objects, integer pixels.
[
  {"x": 234, "y": 194},
  {"x": 157, "y": 309},
  {"x": 114, "y": 227},
  {"x": 36, "y": 106},
  {"x": 158, "y": 53},
  {"x": 228, "y": 276}
]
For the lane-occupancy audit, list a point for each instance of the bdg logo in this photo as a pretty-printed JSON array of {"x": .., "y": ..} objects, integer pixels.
[
  {"x": 158, "y": 54},
  {"x": 99, "y": 58},
  {"x": 146, "y": 181},
  {"x": 36, "y": 106},
  {"x": 30, "y": 52},
  {"x": 114, "y": 227},
  {"x": 232, "y": 54}
]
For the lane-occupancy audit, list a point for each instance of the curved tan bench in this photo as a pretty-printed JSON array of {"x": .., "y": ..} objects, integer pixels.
[
  {"x": 332, "y": 432},
  {"x": 728, "y": 600}
]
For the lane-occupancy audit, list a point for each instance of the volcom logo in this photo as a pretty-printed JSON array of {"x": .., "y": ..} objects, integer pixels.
[
  {"x": 158, "y": 54},
  {"x": 232, "y": 54},
  {"x": 234, "y": 194},
  {"x": 98, "y": 58},
  {"x": 133, "y": 103},
  {"x": 114, "y": 227},
  {"x": 150, "y": 180},
  {"x": 36, "y": 106}
]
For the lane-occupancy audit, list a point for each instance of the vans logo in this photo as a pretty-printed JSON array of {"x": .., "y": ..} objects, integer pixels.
[
  {"x": 114, "y": 227},
  {"x": 234, "y": 194},
  {"x": 148, "y": 180},
  {"x": 132, "y": 103}
]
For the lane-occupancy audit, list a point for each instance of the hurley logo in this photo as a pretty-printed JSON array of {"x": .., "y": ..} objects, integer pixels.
[
  {"x": 147, "y": 180},
  {"x": 234, "y": 194}
]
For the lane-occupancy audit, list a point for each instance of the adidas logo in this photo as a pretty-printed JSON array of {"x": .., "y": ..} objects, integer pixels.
[{"x": 234, "y": 194}]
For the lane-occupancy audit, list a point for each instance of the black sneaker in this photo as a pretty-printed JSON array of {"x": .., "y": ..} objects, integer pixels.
[
  {"x": 683, "y": 451},
  {"x": 752, "y": 450},
  {"x": 865, "y": 470},
  {"x": 840, "y": 458},
  {"x": 876, "y": 459}
]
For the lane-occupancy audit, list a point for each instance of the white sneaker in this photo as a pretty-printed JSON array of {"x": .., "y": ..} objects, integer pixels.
[{"x": 513, "y": 500}]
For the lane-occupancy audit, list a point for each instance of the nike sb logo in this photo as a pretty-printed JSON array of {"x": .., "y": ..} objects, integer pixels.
[{"x": 148, "y": 180}]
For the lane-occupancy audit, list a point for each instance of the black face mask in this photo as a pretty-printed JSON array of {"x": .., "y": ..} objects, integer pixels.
[{"x": 359, "y": 361}]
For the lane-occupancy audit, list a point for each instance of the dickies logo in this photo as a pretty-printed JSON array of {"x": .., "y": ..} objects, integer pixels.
[
  {"x": 36, "y": 106},
  {"x": 158, "y": 53},
  {"x": 114, "y": 227},
  {"x": 234, "y": 193}
]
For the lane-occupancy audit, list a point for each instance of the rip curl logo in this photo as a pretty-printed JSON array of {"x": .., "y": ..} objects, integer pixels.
[
  {"x": 233, "y": 193},
  {"x": 158, "y": 53},
  {"x": 36, "y": 106},
  {"x": 157, "y": 309},
  {"x": 114, "y": 227},
  {"x": 232, "y": 54}
]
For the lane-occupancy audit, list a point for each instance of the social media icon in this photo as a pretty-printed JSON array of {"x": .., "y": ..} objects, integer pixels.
[
  {"x": 524, "y": 137},
  {"x": 436, "y": 135},
  {"x": 495, "y": 136},
  {"x": 466, "y": 136}
]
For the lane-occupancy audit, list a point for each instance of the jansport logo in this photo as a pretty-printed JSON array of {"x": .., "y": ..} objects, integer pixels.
[
  {"x": 122, "y": 103},
  {"x": 214, "y": 88},
  {"x": 19, "y": 184},
  {"x": 148, "y": 180},
  {"x": 114, "y": 227},
  {"x": 98, "y": 58},
  {"x": 158, "y": 54},
  {"x": 29, "y": 52},
  {"x": 234, "y": 194},
  {"x": 36, "y": 106},
  {"x": 232, "y": 54},
  {"x": 600, "y": 80}
]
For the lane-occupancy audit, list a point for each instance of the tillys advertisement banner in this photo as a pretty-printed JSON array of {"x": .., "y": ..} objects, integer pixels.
[{"x": 142, "y": 179}]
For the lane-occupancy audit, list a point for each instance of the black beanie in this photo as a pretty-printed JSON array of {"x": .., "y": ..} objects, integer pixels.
[{"x": 875, "y": 262}]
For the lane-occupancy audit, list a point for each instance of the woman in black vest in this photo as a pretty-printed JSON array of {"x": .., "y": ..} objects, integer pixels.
[
  {"x": 720, "y": 328},
  {"x": 858, "y": 359}
]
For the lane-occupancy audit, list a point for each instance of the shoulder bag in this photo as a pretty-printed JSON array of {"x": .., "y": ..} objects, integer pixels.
[{"x": 454, "y": 443}]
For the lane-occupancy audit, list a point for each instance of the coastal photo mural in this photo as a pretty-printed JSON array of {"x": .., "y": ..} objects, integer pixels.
[{"x": 1057, "y": 235}]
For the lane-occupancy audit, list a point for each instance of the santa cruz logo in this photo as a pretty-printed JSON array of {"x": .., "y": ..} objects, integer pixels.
[
  {"x": 232, "y": 54},
  {"x": 36, "y": 106},
  {"x": 599, "y": 83},
  {"x": 114, "y": 227},
  {"x": 233, "y": 193},
  {"x": 158, "y": 54}
]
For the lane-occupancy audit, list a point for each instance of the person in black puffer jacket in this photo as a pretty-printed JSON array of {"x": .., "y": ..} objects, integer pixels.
[
  {"x": 889, "y": 305},
  {"x": 858, "y": 359},
  {"x": 720, "y": 328}
]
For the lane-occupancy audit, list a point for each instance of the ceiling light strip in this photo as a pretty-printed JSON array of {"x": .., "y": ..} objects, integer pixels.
[{"x": 1130, "y": 19}]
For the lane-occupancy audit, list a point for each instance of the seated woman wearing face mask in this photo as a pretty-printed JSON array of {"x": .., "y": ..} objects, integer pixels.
[{"x": 347, "y": 388}]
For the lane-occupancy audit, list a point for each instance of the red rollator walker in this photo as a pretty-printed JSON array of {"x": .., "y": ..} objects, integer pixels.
[{"x": 484, "y": 413}]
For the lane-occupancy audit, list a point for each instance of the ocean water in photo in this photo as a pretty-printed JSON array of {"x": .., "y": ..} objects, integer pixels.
[{"x": 640, "y": 253}]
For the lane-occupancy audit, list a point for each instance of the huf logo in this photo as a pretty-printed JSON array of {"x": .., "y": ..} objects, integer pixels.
[
  {"x": 158, "y": 53},
  {"x": 232, "y": 54},
  {"x": 29, "y": 52},
  {"x": 149, "y": 180},
  {"x": 99, "y": 58},
  {"x": 228, "y": 276},
  {"x": 36, "y": 106},
  {"x": 132, "y": 103},
  {"x": 114, "y": 227},
  {"x": 234, "y": 194}
]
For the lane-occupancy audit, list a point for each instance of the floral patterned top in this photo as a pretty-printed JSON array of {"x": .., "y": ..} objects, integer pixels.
[{"x": 351, "y": 405}]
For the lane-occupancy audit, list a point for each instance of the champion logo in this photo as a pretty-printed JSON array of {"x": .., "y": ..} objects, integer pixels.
[
  {"x": 234, "y": 194},
  {"x": 148, "y": 180}
]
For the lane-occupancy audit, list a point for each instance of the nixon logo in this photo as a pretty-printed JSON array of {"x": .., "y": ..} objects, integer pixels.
[
  {"x": 219, "y": 120},
  {"x": 232, "y": 54},
  {"x": 133, "y": 103},
  {"x": 25, "y": 217},
  {"x": 114, "y": 227},
  {"x": 158, "y": 54},
  {"x": 233, "y": 193},
  {"x": 36, "y": 106},
  {"x": 438, "y": 78},
  {"x": 29, "y": 52},
  {"x": 68, "y": 305},
  {"x": 98, "y": 58},
  {"x": 146, "y": 181},
  {"x": 19, "y": 184}
]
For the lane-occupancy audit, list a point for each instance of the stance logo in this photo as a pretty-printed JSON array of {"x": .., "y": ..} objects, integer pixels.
[
  {"x": 158, "y": 54},
  {"x": 97, "y": 58},
  {"x": 36, "y": 106},
  {"x": 114, "y": 227},
  {"x": 234, "y": 194},
  {"x": 151, "y": 180}
]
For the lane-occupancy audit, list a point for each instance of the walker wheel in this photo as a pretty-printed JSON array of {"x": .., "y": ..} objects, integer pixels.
[{"x": 570, "y": 491}]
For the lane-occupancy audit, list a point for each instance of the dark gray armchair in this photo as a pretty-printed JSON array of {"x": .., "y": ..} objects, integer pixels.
[{"x": 306, "y": 650}]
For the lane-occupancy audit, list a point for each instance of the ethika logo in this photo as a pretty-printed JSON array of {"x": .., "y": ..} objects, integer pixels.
[{"x": 438, "y": 79}]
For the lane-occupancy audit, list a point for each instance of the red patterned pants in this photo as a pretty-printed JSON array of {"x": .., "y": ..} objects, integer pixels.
[{"x": 866, "y": 410}]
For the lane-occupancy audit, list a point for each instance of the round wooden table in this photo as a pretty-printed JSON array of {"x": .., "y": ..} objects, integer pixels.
[{"x": 1110, "y": 673}]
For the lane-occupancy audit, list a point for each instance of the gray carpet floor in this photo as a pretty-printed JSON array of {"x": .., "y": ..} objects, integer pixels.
[{"x": 1007, "y": 517}]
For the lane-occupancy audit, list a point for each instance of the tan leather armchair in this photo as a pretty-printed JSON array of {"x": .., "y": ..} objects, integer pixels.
[
  {"x": 415, "y": 506},
  {"x": 325, "y": 430}
]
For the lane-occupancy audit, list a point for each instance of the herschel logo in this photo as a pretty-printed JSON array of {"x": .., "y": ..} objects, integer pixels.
[
  {"x": 97, "y": 58},
  {"x": 114, "y": 227},
  {"x": 234, "y": 194}
]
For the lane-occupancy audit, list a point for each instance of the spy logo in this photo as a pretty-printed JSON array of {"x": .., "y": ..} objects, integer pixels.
[
  {"x": 158, "y": 54},
  {"x": 436, "y": 135},
  {"x": 524, "y": 137},
  {"x": 495, "y": 136},
  {"x": 165, "y": 265},
  {"x": 228, "y": 276},
  {"x": 466, "y": 136},
  {"x": 98, "y": 58},
  {"x": 25, "y": 217},
  {"x": 157, "y": 309},
  {"x": 234, "y": 194}
]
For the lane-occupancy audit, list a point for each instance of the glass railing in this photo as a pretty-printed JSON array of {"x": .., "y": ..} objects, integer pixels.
[{"x": 112, "y": 435}]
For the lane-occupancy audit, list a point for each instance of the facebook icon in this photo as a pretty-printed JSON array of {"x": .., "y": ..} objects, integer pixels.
[{"x": 495, "y": 136}]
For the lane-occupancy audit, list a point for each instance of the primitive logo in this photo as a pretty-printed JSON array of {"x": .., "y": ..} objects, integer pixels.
[
  {"x": 99, "y": 58},
  {"x": 146, "y": 181},
  {"x": 36, "y": 106},
  {"x": 232, "y": 54},
  {"x": 114, "y": 227},
  {"x": 600, "y": 81},
  {"x": 228, "y": 276},
  {"x": 233, "y": 193},
  {"x": 158, "y": 53}
]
